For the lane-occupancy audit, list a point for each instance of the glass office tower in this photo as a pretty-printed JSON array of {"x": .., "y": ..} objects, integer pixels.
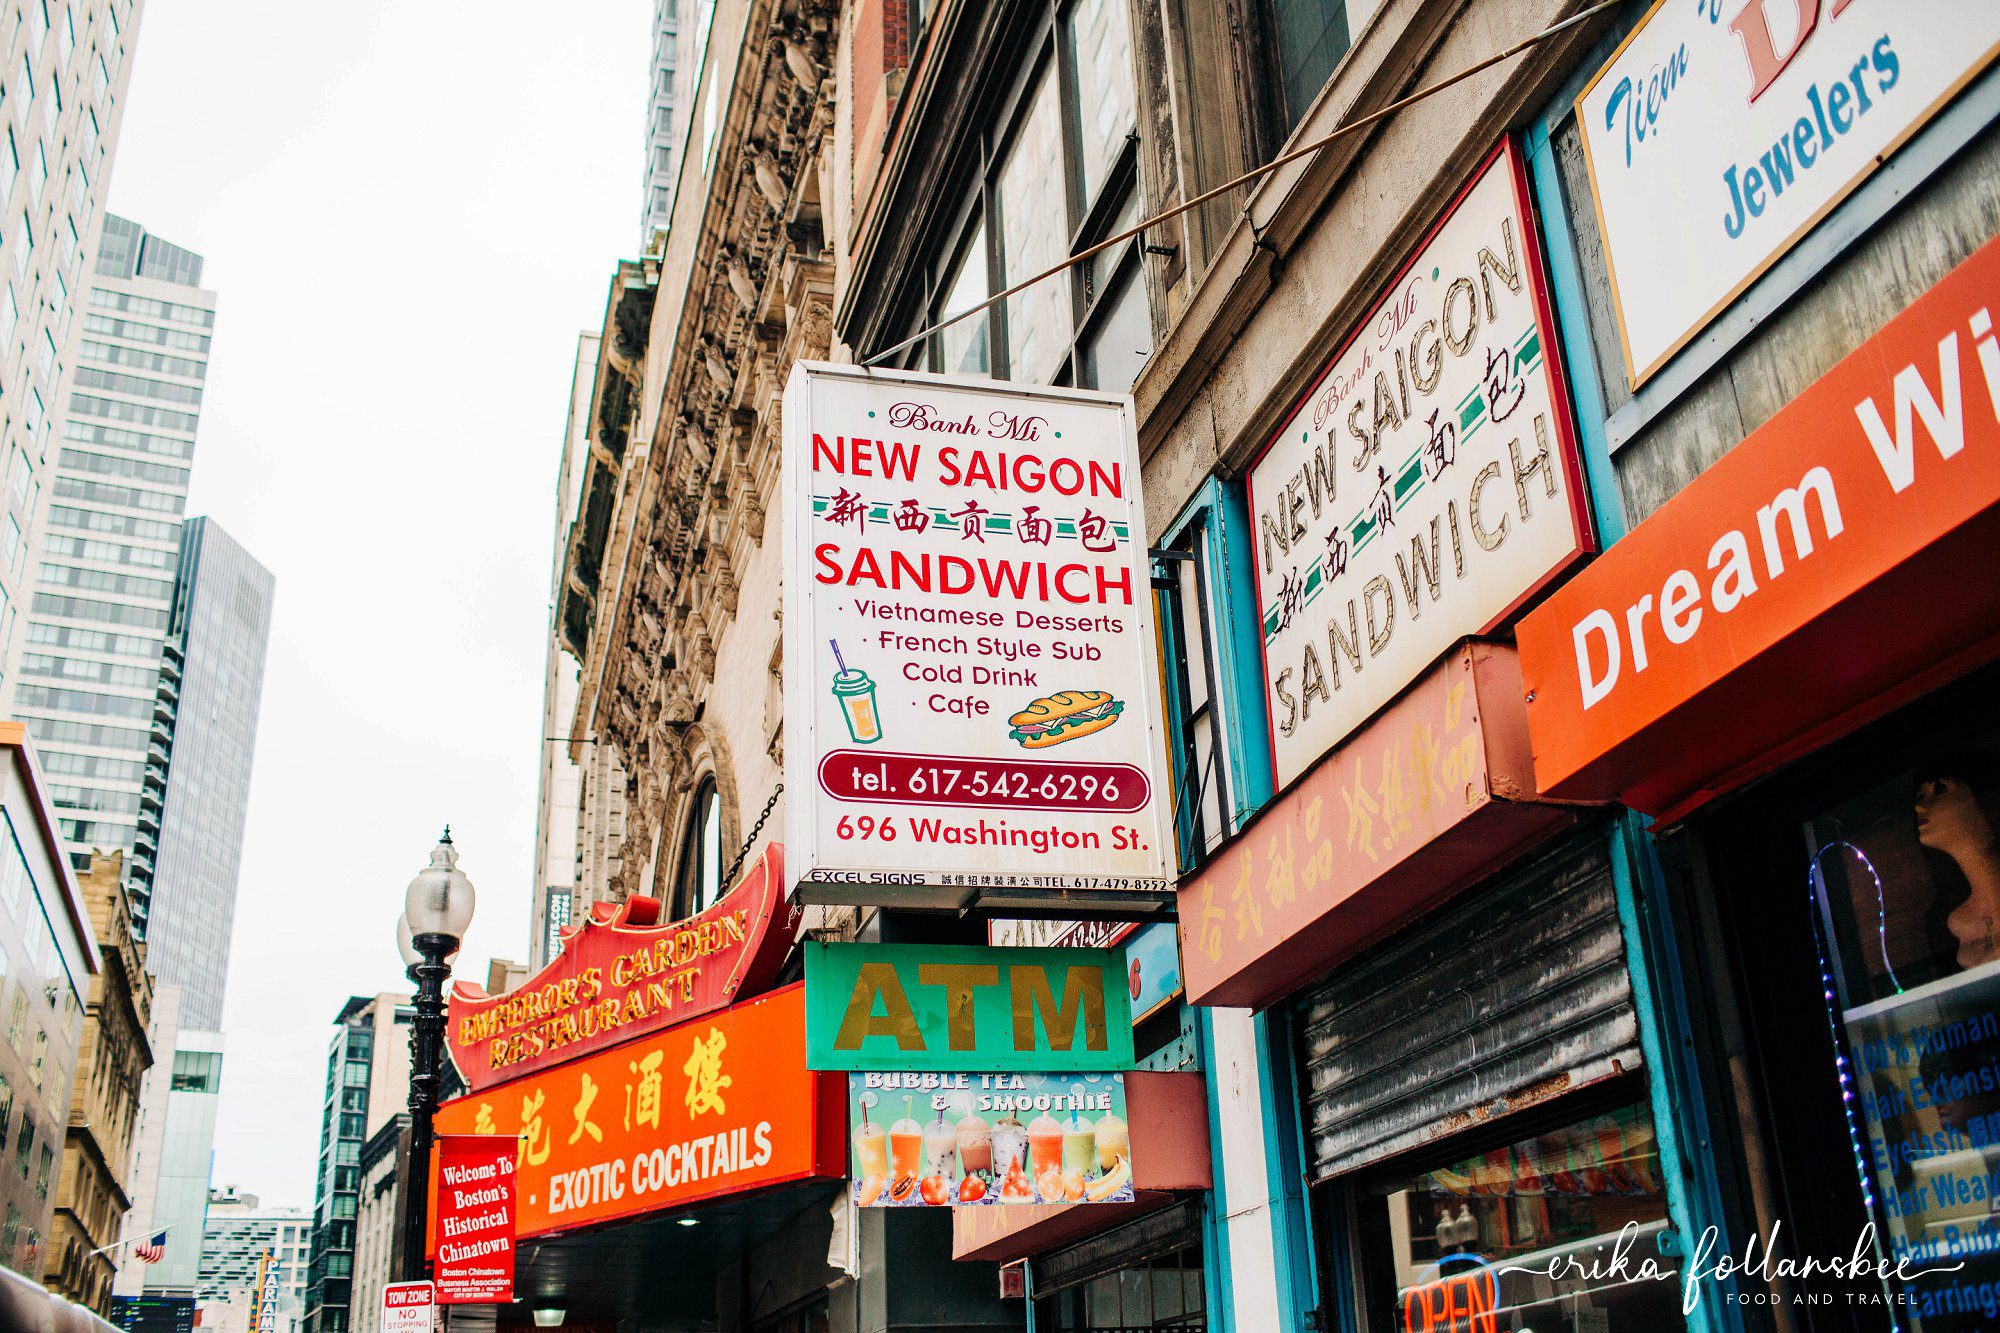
[
  {"x": 196, "y": 789},
  {"x": 88, "y": 679}
]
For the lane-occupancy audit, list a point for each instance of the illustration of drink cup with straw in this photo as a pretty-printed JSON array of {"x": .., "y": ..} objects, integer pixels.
[{"x": 856, "y": 693}]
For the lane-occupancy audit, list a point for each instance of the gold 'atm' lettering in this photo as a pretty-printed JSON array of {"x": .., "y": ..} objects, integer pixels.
[
  {"x": 959, "y": 980},
  {"x": 1083, "y": 997},
  {"x": 897, "y": 1019}
]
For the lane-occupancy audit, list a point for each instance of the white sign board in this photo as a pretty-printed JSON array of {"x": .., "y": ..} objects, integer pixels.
[
  {"x": 1723, "y": 130},
  {"x": 408, "y": 1307},
  {"x": 971, "y": 677},
  {"x": 1425, "y": 486}
]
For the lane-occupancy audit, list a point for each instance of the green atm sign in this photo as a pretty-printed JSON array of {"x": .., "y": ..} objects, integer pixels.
[{"x": 966, "y": 1007}]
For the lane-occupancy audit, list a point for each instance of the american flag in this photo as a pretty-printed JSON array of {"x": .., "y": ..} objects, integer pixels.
[{"x": 152, "y": 1251}]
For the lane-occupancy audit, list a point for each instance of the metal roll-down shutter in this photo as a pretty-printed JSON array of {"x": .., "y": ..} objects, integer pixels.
[{"x": 1513, "y": 994}]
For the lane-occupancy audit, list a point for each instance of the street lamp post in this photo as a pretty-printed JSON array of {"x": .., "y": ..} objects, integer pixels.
[{"x": 436, "y": 912}]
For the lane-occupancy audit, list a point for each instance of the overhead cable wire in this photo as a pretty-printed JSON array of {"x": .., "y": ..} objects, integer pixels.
[{"x": 1284, "y": 159}]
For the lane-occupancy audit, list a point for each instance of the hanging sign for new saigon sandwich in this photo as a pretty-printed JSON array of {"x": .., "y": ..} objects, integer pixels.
[
  {"x": 971, "y": 679},
  {"x": 1425, "y": 486}
]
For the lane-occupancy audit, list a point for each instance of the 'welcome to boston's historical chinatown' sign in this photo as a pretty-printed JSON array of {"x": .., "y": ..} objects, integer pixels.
[{"x": 620, "y": 975}]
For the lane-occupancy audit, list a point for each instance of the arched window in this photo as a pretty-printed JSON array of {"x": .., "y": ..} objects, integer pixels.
[{"x": 701, "y": 851}]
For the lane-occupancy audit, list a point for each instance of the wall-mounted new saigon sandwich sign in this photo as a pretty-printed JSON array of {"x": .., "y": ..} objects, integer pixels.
[
  {"x": 621, "y": 975},
  {"x": 1426, "y": 485},
  {"x": 971, "y": 677}
]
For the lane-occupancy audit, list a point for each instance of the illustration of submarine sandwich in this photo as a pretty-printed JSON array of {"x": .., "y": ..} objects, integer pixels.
[{"x": 1064, "y": 716}]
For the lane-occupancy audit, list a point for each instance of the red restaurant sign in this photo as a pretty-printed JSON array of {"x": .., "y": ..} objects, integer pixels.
[
  {"x": 718, "y": 1105},
  {"x": 475, "y": 1219},
  {"x": 621, "y": 975}
]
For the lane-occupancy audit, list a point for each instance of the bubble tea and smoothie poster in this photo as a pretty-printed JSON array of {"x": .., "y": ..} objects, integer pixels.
[{"x": 977, "y": 1140}]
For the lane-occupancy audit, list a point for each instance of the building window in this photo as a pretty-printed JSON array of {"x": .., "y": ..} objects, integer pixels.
[
  {"x": 1310, "y": 38},
  {"x": 1205, "y": 607},
  {"x": 962, "y": 348},
  {"x": 197, "y": 1071},
  {"x": 1066, "y": 177},
  {"x": 700, "y": 881},
  {"x": 1906, "y": 871},
  {"x": 1031, "y": 238}
]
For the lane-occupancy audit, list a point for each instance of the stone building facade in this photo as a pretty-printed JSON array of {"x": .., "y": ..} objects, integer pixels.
[
  {"x": 670, "y": 595},
  {"x": 112, "y": 1060}
]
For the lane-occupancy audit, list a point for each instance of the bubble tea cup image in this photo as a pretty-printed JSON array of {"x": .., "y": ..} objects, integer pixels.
[
  {"x": 1079, "y": 1146},
  {"x": 940, "y": 1147},
  {"x": 1010, "y": 1144},
  {"x": 975, "y": 1145},
  {"x": 871, "y": 1160},
  {"x": 855, "y": 691},
  {"x": 906, "y": 1143}
]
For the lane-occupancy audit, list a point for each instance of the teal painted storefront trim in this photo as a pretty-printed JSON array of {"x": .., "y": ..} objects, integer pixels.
[
  {"x": 1673, "y": 1083},
  {"x": 1217, "y": 1282},
  {"x": 1581, "y": 371},
  {"x": 1240, "y": 660},
  {"x": 1292, "y": 1248},
  {"x": 1226, "y": 552}
]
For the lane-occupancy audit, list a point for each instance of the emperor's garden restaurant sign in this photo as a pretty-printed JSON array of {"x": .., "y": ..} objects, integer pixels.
[
  {"x": 1722, "y": 131},
  {"x": 1427, "y": 483},
  {"x": 971, "y": 681}
]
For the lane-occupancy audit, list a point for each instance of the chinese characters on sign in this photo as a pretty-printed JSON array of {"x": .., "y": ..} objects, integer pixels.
[
  {"x": 474, "y": 1230},
  {"x": 1406, "y": 811},
  {"x": 971, "y": 683},
  {"x": 1719, "y": 134},
  {"x": 717, "y": 1105},
  {"x": 1425, "y": 486}
]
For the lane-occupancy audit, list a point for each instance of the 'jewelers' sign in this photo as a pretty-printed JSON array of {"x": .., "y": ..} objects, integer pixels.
[
  {"x": 1722, "y": 131},
  {"x": 1425, "y": 486},
  {"x": 971, "y": 677}
]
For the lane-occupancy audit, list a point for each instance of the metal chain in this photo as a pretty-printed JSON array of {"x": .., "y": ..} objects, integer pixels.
[{"x": 729, "y": 876}]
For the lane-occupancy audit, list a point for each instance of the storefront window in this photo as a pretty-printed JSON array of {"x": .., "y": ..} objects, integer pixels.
[
  {"x": 1158, "y": 1293},
  {"x": 1515, "y": 1239},
  {"x": 1907, "y": 879}
]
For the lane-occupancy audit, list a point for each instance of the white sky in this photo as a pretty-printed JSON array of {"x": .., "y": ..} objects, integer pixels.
[{"x": 408, "y": 212}]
